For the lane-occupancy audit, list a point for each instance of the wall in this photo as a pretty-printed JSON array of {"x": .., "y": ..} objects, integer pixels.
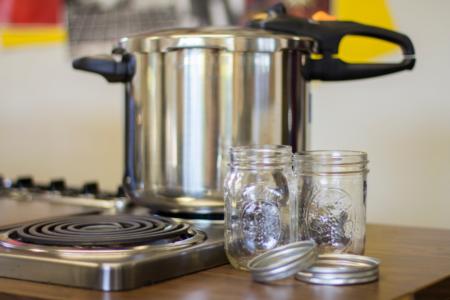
[
  {"x": 401, "y": 120},
  {"x": 57, "y": 122}
]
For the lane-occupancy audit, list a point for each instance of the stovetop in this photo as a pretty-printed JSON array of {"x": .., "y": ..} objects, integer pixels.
[{"x": 83, "y": 240}]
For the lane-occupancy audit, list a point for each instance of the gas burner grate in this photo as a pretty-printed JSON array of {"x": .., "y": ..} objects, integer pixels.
[{"x": 102, "y": 231}]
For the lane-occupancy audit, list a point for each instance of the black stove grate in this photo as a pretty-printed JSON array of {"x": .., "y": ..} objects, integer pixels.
[{"x": 102, "y": 231}]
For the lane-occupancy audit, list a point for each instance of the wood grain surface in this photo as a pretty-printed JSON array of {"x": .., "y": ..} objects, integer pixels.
[{"x": 411, "y": 259}]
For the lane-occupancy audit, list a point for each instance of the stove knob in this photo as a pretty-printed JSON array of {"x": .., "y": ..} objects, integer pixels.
[
  {"x": 120, "y": 192},
  {"x": 24, "y": 182},
  {"x": 57, "y": 185},
  {"x": 90, "y": 188}
]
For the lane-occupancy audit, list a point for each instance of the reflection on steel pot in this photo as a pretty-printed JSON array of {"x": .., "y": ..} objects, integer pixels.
[{"x": 191, "y": 94}]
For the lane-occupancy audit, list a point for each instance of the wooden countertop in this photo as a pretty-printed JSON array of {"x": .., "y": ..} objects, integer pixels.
[{"x": 411, "y": 259}]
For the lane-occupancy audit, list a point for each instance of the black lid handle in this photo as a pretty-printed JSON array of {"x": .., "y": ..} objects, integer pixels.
[
  {"x": 331, "y": 68},
  {"x": 328, "y": 35}
]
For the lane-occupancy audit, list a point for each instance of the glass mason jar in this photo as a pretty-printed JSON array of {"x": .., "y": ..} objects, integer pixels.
[
  {"x": 332, "y": 199},
  {"x": 260, "y": 202}
]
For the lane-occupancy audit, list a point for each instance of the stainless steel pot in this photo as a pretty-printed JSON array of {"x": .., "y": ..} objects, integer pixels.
[{"x": 191, "y": 94}]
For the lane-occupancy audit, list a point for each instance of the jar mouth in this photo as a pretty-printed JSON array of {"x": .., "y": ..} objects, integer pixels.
[
  {"x": 261, "y": 154},
  {"x": 331, "y": 157}
]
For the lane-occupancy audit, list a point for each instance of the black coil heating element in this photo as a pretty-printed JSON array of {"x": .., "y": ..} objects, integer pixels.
[{"x": 102, "y": 231}]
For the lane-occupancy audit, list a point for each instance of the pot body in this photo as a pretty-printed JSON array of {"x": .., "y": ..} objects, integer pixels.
[
  {"x": 189, "y": 105},
  {"x": 193, "y": 93}
]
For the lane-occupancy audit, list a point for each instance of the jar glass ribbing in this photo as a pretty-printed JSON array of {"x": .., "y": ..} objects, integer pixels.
[
  {"x": 260, "y": 202},
  {"x": 332, "y": 188}
]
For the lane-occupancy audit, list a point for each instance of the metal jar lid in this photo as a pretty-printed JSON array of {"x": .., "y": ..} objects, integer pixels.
[
  {"x": 341, "y": 269},
  {"x": 283, "y": 262},
  {"x": 223, "y": 38}
]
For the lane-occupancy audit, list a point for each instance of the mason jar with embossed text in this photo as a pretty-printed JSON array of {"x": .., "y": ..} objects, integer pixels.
[
  {"x": 332, "y": 187},
  {"x": 260, "y": 202}
]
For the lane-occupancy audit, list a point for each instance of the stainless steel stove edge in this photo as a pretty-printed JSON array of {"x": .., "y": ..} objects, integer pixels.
[{"x": 111, "y": 275}]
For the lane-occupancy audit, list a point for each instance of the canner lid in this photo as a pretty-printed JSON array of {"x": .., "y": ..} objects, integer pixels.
[{"x": 223, "y": 38}]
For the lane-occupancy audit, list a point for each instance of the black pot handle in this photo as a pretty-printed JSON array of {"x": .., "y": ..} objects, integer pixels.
[
  {"x": 108, "y": 67},
  {"x": 328, "y": 35},
  {"x": 119, "y": 71}
]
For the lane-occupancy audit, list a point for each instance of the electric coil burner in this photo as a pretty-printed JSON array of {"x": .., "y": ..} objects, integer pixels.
[
  {"x": 108, "y": 252},
  {"x": 107, "y": 232}
]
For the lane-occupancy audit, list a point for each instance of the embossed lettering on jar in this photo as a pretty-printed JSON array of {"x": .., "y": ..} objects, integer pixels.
[{"x": 260, "y": 202}]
